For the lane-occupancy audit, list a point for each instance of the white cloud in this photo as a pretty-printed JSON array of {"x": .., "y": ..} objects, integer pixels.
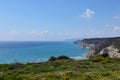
[
  {"x": 44, "y": 32},
  {"x": 87, "y": 14},
  {"x": 116, "y": 17},
  {"x": 116, "y": 29},
  {"x": 108, "y": 25},
  {"x": 38, "y": 33},
  {"x": 24, "y": 35},
  {"x": 108, "y": 31},
  {"x": 13, "y": 32}
]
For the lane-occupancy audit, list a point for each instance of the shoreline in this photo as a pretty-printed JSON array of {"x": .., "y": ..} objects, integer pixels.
[{"x": 43, "y": 60}]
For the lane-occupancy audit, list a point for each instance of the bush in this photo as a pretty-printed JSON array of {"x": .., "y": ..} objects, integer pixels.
[
  {"x": 52, "y": 58},
  {"x": 105, "y": 55},
  {"x": 15, "y": 66},
  {"x": 97, "y": 59},
  {"x": 63, "y": 57}
]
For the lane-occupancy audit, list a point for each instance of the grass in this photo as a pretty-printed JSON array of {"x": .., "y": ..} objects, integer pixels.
[{"x": 97, "y": 68}]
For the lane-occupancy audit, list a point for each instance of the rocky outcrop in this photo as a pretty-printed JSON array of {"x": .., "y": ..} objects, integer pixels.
[
  {"x": 98, "y": 46},
  {"x": 112, "y": 51}
]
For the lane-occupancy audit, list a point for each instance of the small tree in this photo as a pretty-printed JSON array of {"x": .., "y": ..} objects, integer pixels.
[
  {"x": 63, "y": 57},
  {"x": 105, "y": 55},
  {"x": 52, "y": 58}
]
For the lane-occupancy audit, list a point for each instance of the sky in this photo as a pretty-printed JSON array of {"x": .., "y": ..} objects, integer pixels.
[{"x": 52, "y": 20}]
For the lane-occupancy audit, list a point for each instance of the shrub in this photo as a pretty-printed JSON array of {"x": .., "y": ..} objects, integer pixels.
[
  {"x": 52, "y": 58},
  {"x": 105, "y": 55},
  {"x": 63, "y": 57},
  {"x": 97, "y": 59},
  {"x": 15, "y": 66}
]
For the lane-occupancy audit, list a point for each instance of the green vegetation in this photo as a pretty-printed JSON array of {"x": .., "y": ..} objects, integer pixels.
[
  {"x": 52, "y": 58},
  {"x": 97, "y": 68},
  {"x": 116, "y": 44}
]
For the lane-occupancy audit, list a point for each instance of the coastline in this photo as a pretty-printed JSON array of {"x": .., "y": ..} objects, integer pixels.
[{"x": 33, "y": 53}]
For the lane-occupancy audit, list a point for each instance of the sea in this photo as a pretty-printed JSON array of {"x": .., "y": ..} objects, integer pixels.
[{"x": 38, "y": 51}]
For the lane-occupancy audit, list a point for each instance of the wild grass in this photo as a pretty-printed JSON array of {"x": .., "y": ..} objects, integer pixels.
[{"x": 97, "y": 68}]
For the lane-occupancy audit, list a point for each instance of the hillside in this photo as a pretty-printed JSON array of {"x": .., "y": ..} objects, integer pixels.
[
  {"x": 98, "y": 46},
  {"x": 100, "y": 68}
]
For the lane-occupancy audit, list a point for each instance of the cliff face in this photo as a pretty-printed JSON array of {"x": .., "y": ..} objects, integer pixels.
[
  {"x": 112, "y": 51},
  {"x": 100, "y": 46}
]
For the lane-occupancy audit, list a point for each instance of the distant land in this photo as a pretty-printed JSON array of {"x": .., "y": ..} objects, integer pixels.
[
  {"x": 73, "y": 39},
  {"x": 98, "y": 46}
]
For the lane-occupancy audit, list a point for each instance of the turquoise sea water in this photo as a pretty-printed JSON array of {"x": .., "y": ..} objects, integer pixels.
[{"x": 11, "y": 52}]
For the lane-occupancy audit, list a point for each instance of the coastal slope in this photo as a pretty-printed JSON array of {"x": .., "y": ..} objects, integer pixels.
[{"x": 98, "y": 46}]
